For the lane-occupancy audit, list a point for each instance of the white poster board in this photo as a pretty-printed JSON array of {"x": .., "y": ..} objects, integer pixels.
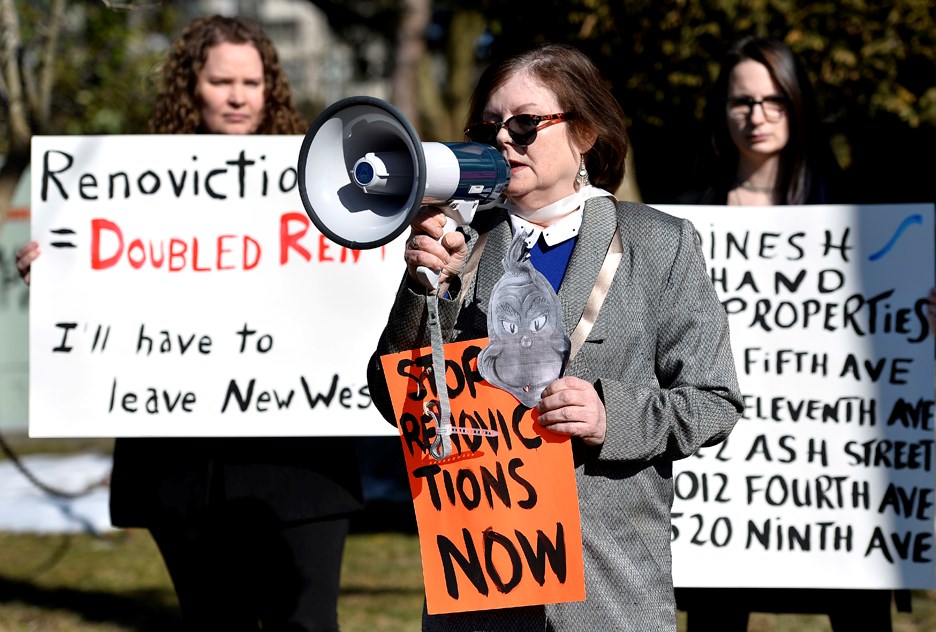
[
  {"x": 827, "y": 480},
  {"x": 183, "y": 291}
]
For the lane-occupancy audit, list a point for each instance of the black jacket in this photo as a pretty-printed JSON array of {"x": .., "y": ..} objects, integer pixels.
[{"x": 159, "y": 480}]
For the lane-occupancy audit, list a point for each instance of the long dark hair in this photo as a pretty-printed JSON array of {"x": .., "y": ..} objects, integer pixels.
[
  {"x": 579, "y": 88},
  {"x": 806, "y": 162},
  {"x": 177, "y": 110}
]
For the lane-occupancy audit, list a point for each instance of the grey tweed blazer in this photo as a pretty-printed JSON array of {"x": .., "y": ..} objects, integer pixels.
[{"x": 660, "y": 358}]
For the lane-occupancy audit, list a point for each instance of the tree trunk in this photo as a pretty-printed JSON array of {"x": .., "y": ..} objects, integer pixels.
[
  {"x": 467, "y": 27},
  {"x": 25, "y": 117},
  {"x": 410, "y": 51},
  {"x": 46, "y": 71},
  {"x": 17, "y": 116},
  {"x": 444, "y": 109}
]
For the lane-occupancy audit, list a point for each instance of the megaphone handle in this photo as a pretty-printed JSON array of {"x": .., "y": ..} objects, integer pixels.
[{"x": 428, "y": 277}]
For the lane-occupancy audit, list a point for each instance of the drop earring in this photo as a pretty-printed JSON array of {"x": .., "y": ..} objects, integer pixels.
[{"x": 582, "y": 178}]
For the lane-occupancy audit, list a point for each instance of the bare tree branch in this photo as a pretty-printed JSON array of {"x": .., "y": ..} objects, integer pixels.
[
  {"x": 9, "y": 57},
  {"x": 3, "y": 88},
  {"x": 17, "y": 117},
  {"x": 46, "y": 70},
  {"x": 131, "y": 6}
]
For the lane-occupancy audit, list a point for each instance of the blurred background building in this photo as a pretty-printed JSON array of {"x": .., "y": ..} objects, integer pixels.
[{"x": 321, "y": 67}]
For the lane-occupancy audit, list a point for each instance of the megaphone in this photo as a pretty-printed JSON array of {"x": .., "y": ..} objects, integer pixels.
[{"x": 364, "y": 174}]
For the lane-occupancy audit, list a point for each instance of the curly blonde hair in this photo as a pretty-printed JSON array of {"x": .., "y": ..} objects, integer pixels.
[{"x": 177, "y": 110}]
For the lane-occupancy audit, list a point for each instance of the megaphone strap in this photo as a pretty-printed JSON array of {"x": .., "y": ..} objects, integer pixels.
[
  {"x": 471, "y": 266},
  {"x": 441, "y": 446}
]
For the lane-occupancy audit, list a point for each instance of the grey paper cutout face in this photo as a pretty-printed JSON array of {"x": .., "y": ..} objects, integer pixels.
[{"x": 527, "y": 347}]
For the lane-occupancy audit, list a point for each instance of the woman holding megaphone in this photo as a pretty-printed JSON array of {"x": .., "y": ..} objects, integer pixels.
[{"x": 652, "y": 379}]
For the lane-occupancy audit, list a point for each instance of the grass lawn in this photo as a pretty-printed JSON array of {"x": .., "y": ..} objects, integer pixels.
[
  {"x": 117, "y": 583},
  {"x": 67, "y": 583}
]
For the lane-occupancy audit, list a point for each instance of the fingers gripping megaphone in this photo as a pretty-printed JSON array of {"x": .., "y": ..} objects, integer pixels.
[{"x": 364, "y": 174}]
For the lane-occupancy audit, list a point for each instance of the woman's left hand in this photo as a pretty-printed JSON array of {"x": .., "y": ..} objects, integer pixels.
[
  {"x": 571, "y": 406},
  {"x": 24, "y": 258}
]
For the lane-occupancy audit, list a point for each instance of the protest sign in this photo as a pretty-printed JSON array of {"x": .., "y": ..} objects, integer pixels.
[
  {"x": 183, "y": 291},
  {"x": 827, "y": 481},
  {"x": 498, "y": 520}
]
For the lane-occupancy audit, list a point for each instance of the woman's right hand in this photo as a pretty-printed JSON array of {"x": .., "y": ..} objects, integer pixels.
[
  {"x": 24, "y": 258},
  {"x": 424, "y": 248}
]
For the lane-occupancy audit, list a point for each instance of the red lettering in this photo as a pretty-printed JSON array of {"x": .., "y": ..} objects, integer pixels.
[
  {"x": 251, "y": 264},
  {"x": 136, "y": 261},
  {"x": 97, "y": 225},
  {"x": 355, "y": 254},
  {"x": 324, "y": 246},
  {"x": 195, "y": 257},
  {"x": 189, "y": 253},
  {"x": 290, "y": 240},
  {"x": 177, "y": 250},
  {"x": 223, "y": 250},
  {"x": 157, "y": 262}
]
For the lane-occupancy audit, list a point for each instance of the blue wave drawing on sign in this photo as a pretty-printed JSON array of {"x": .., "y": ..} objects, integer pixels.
[{"x": 912, "y": 219}]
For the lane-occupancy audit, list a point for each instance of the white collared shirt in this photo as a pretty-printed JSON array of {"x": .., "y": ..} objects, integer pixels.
[
  {"x": 565, "y": 229},
  {"x": 568, "y": 208}
]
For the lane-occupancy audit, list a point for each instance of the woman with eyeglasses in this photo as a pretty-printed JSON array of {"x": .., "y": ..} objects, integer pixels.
[
  {"x": 768, "y": 149},
  {"x": 767, "y": 146},
  {"x": 654, "y": 379}
]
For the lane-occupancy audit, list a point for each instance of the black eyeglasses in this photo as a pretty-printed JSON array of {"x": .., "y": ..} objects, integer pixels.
[
  {"x": 521, "y": 127},
  {"x": 741, "y": 108}
]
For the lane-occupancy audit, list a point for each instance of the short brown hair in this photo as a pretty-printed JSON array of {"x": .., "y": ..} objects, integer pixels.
[
  {"x": 579, "y": 88},
  {"x": 177, "y": 110}
]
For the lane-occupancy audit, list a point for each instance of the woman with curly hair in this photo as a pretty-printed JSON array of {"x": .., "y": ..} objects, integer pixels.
[
  {"x": 252, "y": 530},
  {"x": 188, "y": 84}
]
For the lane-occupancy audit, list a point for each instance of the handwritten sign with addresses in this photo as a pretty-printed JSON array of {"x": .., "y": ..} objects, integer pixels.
[{"x": 827, "y": 480}]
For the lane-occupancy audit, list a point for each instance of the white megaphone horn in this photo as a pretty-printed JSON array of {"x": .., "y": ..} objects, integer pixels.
[{"x": 364, "y": 174}]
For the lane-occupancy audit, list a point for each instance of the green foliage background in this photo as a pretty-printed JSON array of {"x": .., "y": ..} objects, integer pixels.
[
  {"x": 873, "y": 63},
  {"x": 107, "y": 67}
]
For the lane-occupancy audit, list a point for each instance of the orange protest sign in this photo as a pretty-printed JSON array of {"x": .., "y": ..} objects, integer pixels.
[{"x": 498, "y": 520}]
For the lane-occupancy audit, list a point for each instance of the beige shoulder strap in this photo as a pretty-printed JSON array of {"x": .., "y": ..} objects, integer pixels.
[
  {"x": 595, "y": 299},
  {"x": 598, "y": 294}
]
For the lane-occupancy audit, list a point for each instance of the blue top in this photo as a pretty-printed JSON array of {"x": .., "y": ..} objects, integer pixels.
[{"x": 552, "y": 261}]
